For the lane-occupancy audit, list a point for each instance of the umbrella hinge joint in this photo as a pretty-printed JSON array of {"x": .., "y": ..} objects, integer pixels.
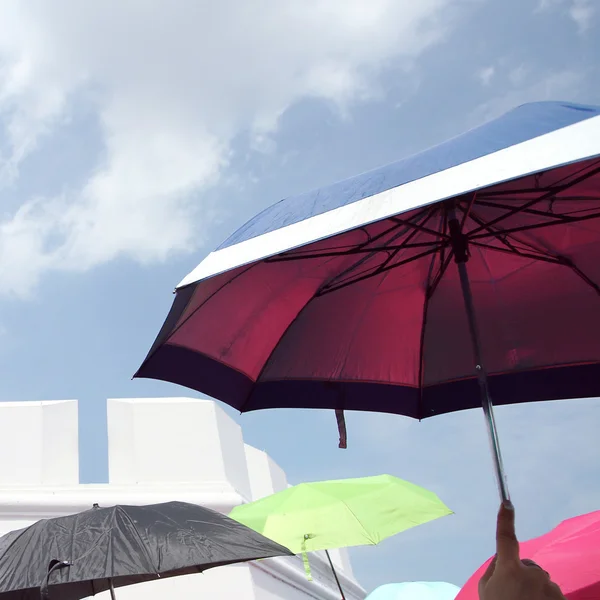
[{"x": 458, "y": 242}]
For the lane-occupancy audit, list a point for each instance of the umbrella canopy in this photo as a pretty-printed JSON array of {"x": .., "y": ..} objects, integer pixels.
[
  {"x": 358, "y": 297},
  {"x": 340, "y": 513},
  {"x": 570, "y": 553},
  {"x": 415, "y": 590},
  {"x": 348, "y": 297},
  {"x": 93, "y": 551}
]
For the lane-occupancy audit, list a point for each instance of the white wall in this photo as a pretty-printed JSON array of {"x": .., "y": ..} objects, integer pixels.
[
  {"x": 34, "y": 447},
  {"x": 159, "y": 450}
]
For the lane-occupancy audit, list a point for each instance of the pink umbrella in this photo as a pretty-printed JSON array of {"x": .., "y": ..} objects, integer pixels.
[{"x": 570, "y": 553}]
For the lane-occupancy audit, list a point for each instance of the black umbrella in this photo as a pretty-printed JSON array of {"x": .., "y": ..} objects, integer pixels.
[{"x": 100, "y": 549}]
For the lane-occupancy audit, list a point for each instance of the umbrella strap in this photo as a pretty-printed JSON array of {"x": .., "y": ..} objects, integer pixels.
[
  {"x": 305, "y": 561},
  {"x": 341, "y": 423},
  {"x": 54, "y": 565}
]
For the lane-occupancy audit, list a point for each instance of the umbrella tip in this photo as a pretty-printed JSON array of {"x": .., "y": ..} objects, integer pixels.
[{"x": 95, "y": 505}]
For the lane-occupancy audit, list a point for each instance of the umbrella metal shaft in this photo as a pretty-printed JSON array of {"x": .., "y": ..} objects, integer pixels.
[
  {"x": 460, "y": 253},
  {"x": 113, "y": 596},
  {"x": 486, "y": 400},
  {"x": 335, "y": 575}
]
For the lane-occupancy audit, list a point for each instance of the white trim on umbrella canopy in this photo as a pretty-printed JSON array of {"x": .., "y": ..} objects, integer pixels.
[{"x": 562, "y": 146}]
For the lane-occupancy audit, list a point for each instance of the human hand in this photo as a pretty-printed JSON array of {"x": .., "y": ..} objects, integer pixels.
[{"x": 509, "y": 577}]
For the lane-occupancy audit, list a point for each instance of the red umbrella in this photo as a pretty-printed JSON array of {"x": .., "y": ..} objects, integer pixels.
[
  {"x": 468, "y": 272},
  {"x": 570, "y": 553}
]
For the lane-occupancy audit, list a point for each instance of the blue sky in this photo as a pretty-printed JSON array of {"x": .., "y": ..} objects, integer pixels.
[{"x": 133, "y": 141}]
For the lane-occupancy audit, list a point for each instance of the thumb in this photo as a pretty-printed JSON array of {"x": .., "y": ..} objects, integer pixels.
[{"x": 507, "y": 545}]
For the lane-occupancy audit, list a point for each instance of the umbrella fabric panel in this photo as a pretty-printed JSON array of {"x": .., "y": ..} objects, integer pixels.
[
  {"x": 518, "y": 125},
  {"x": 261, "y": 302}
]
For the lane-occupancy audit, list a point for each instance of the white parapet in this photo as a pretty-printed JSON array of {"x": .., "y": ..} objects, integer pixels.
[
  {"x": 175, "y": 440},
  {"x": 266, "y": 476},
  {"x": 39, "y": 443},
  {"x": 159, "y": 449}
]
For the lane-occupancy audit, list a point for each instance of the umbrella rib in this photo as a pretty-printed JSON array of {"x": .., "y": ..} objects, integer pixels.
[
  {"x": 556, "y": 259},
  {"x": 141, "y": 541},
  {"x": 541, "y": 198},
  {"x": 335, "y": 278},
  {"x": 490, "y": 229},
  {"x": 192, "y": 313},
  {"x": 301, "y": 254},
  {"x": 406, "y": 242},
  {"x": 444, "y": 260},
  {"x": 535, "y": 190},
  {"x": 543, "y": 256},
  {"x": 445, "y": 231},
  {"x": 502, "y": 237},
  {"x": 349, "y": 250},
  {"x": 266, "y": 363},
  {"x": 466, "y": 212},
  {"x": 427, "y": 298},
  {"x": 583, "y": 276},
  {"x": 561, "y": 218},
  {"x": 512, "y": 192},
  {"x": 593, "y": 163},
  {"x": 345, "y": 503},
  {"x": 420, "y": 228},
  {"x": 340, "y": 286},
  {"x": 512, "y": 249},
  {"x": 359, "y": 320},
  {"x": 75, "y": 527},
  {"x": 567, "y": 220},
  {"x": 440, "y": 274},
  {"x": 529, "y": 211},
  {"x": 360, "y": 524}
]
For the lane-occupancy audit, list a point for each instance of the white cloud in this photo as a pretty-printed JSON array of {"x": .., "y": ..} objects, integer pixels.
[
  {"x": 581, "y": 11},
  {"x": 171, "y": 87},
  {"x": 518, "y": 76},
  {"x": 486, "y": 75}
]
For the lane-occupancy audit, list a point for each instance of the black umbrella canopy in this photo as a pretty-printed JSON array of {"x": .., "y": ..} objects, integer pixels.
[{"x": 83, "y": 554}]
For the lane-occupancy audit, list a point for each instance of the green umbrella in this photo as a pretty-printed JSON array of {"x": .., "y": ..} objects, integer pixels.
[{"x": 340, "y": 513}]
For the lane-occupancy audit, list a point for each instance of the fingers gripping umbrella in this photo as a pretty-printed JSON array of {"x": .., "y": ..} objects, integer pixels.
[
  {"x": 468, "y": 272},
  {"x": 80, "y": 555},
  {"x": 570, "y": 553},
  {"x": 340, "y": 513}
]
